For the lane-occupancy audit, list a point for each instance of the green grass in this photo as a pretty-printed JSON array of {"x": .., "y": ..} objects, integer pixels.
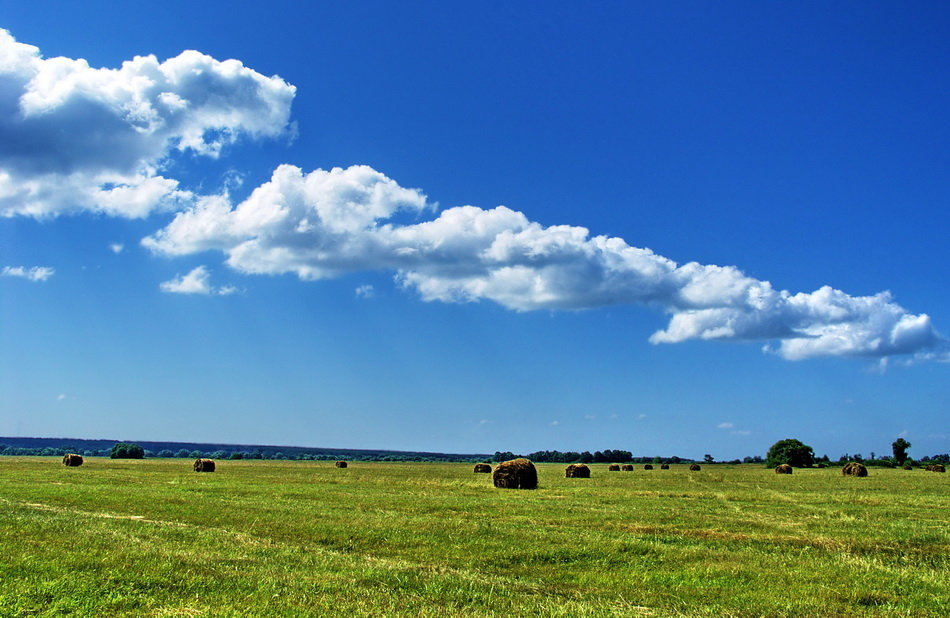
[{"x": 268, "y": 538}]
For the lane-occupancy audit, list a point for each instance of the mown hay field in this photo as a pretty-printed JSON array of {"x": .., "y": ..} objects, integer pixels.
[{"x": 282, "y": 538}]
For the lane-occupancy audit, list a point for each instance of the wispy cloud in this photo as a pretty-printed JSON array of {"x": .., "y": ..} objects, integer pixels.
[
  {"x": 365, "y": 291},
  {"x": 198, "y": 281},
  {"x": 33, "y": 273},
  {"x": 725, "y": 426},
  {"x": 116, "y": 247}
]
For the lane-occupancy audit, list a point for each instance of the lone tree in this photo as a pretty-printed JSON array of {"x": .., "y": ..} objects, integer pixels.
[
  {"x": 792, "y": 452},
  {"x": 900, "y": 446},
  {"x": 127, "y": 451}
]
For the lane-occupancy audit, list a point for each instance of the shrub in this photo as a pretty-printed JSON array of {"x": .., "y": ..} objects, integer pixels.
[{"x": 127, "y": 451}]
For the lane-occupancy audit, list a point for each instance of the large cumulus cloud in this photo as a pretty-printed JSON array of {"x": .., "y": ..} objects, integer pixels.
[
  {"x": 78, "y": 138},
  {"x": 327, "y": 223}
]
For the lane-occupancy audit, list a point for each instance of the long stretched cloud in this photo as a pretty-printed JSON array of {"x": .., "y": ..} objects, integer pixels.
[
  {"x": 325, "y": 224},
  {"x": 77, "y": 138}
]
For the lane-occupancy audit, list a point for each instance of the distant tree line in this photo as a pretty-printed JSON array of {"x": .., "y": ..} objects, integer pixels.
[{"x": 605, "y": 456}]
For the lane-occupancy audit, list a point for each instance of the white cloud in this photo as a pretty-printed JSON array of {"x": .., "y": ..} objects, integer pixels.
[
  {"x": 61, "y": 397},
  {"x": 116, "y": 247},
  {"x": 365, "y": 291},
  {"x": 198, "y": 281},
  {"x": 33, "y": 273},
  {"x": 78, "y": 138},
  {"x": 640, "y": 417},
  {"x": 555, "y": 423},
  {"x": 725, "y": 426},
  {"x": 328, "y": 223}
]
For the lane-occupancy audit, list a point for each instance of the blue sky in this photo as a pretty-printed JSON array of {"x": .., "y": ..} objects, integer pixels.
[{"x": 180, "y": 262}]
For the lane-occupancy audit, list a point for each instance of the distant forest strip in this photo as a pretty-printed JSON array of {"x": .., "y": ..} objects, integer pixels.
[{"x": 102, "y": 448}]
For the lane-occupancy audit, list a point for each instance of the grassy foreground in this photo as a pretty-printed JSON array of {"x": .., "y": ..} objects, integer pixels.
[{"x": 278, "y": 538}]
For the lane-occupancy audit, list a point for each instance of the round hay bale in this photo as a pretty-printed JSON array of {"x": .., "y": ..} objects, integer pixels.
[
  {"x": 72, "y": 460},
  {"x": 614, "y": 467},
  {"x": 482, "y": 468},
  {"x": 626, "y": 468},
  {"x": 515, "y": 474},
  {"x": 936, "y": 468},
  {"x": 783, "y": 469},
  {"x": 340, "y": 464},
  {"x": 664, "y": 466},
  {"x": 694, "y": 467},
  {"x": 647, "y": 466},
  {"x": 577, "y": 471},
  {"x": 907, "y": 467},
  {"x": 854, "y": 469},
  {"x": 204, "y": 465}
]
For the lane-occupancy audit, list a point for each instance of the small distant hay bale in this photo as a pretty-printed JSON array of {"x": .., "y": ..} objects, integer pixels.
[
  {"x": 626, "y": 468},
  {"x": 204, "y": 465},
  {"x": 783, "y": 469},
  {"x": 482, "y": 468},
  {"x": 340, "y": 464},
  {"x": 907, "y": 467},
  {"x": 614, "y": 467},
  {"x": 936, "y": 468},
  {"x": 72, "y": 460},
  {"x": 664, "y": 466},
  {"x": 694, "y": 468},
  {"x": 515, "y": 474},
  {"x": 647, "y": 466},
  {"x": 577, "y": 471},
  {"x": 854, "y": 469}
]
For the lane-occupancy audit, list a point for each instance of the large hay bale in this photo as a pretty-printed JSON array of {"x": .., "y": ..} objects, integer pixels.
[
  {"x": 854, "y": 469},
  {"x": 614, "y": 467},
  {"x": 72, "y": 460},
  {"x": 694, "y": 467},
  {"x": 626, "y": 468},
  {"x": 204, "y": 465},
  {"x": 577, "y": 471},
  {"x": 515, "y": 474},
  {"x": 783, "y": 469},
  {"x": 664, "y": 466},
  {"x": 936, "y": 468},
  {"x": 340, "y": 464},
  {"x": 647, "y": 466},
  {"x": 482, "y": 468}
]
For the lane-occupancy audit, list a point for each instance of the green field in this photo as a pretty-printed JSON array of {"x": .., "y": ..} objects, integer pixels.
[{"x": 277, "y": 538}]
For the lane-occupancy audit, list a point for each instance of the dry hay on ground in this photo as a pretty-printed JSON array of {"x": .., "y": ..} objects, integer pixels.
[
  {"x": 783, "y": 469},
  {"x": 482, "y": 468},
  {"x": 515, "y": 474},
  {"x": 936, "y": 468},
  {"x": 854, "y": 469},
  {"x": 614, "y": 467},
  {"x": 71, "y": 460},
  {"x": 647, "y": 466},
  {"x": 626, "y": 468},
  {"x": 577, "y": 471},
  {"x": 664, "y": 466},
  {"x": 340, "y": 464},
  {"x": 204, "y": 465},
  {"x": 694, "y": 467}
]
